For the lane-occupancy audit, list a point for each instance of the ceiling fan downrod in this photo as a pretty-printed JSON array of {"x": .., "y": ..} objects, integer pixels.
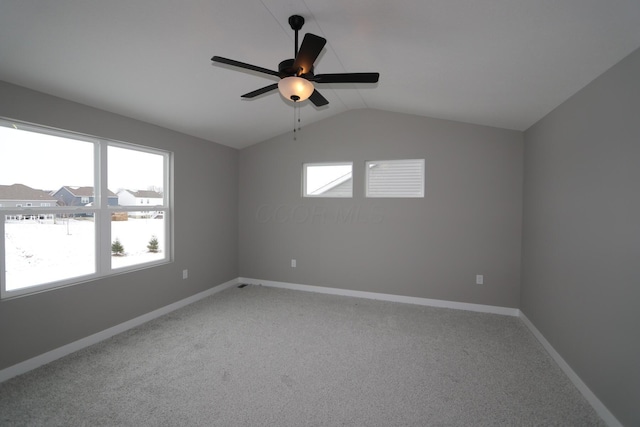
[{"x": 296, "y": 22}]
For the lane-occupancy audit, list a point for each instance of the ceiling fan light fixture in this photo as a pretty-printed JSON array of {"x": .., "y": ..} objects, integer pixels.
[{"x": 295, "y": 89}]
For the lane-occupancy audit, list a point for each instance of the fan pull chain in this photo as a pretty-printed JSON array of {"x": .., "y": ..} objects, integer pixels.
[{"x": 296, "y": 121}]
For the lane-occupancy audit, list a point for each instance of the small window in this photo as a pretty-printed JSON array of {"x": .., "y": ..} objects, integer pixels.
[
  {"x": 395, "y": 178},
  {"x": 327, "y": 180}
]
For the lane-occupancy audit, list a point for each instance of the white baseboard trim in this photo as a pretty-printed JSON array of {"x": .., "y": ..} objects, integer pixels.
[
  {"x": 599, "y": 407},
  {"x": 386, "y": 297},
  {"x": 50, "y": 356}
]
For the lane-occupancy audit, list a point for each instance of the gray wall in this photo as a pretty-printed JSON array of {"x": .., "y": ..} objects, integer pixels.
[
  {"x": 581, "y": 227},
  {"x": 581, "y": 252},
  {"x": 206, "y": 225},
  {"x": 468, "y": 223}
]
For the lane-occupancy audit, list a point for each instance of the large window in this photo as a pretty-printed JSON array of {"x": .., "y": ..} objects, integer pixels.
[
  {"x": 327, "y": 180},
  {"x": 395, "y": 178},
  {"x": 70, "y": 208}
]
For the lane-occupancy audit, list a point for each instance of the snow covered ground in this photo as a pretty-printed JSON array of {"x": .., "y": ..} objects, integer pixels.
[
  {"x": 134, "y": 235},
  {"x": 38, "y": 253}
]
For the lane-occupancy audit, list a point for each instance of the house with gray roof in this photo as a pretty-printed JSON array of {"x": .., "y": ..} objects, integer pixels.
[
  {"x": 142, "y": 198},
  {"x": 21, "y": 196},
  {"x": 80, "y": 196},
  {"x": 139, "y": 198}
]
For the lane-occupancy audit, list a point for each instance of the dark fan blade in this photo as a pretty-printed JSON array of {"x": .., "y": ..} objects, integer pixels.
[
  {"x": 317, "y": 99},
  {"x": 244, "y": 65},
  {"x": 347, "y": 78},
  {"x": 311, "y": 47},
  {"x": 260, "y": 91}
]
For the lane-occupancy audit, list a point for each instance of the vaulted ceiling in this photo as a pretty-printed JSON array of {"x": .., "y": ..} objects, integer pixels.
[{"x": 503, "y": 63}]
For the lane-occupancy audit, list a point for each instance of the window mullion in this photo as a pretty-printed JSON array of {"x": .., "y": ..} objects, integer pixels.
[
  {"x": 3, "y": 279},
  {"x": 102, "y": 217}
]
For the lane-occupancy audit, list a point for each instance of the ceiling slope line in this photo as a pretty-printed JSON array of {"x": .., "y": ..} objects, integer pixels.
[{"x": 330, "y": 46}]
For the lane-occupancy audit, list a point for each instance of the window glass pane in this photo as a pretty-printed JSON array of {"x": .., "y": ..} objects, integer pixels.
[
  {"x": 45, "y": 169},
  {"x": 44, "y": 162},
  {"x": 328, "y": 180},
  {"x": 47, "y": 248},
  {"x": 395, "y": 178},
  {"x": 137, "y": 238},
  {"x": 135, "y": 177}
]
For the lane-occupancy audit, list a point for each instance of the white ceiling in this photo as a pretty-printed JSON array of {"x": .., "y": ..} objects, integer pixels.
[{"x": 503, "y": 63}]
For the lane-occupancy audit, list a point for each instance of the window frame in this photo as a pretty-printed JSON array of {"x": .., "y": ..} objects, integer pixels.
[
  {"x": 99, "y": 209},
  {"x": 398, "y": 196},
  {"x": 316, "y": 196}
]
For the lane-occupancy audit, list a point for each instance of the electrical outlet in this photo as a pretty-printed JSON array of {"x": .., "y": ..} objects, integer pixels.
[
  {"x": 185, "y": 274},
  {"x": 293, "y": 263},
  {"x": 479, "y": 279}
]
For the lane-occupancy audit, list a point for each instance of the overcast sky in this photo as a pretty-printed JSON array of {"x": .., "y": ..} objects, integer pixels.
[{"x": 48, "y": 162}]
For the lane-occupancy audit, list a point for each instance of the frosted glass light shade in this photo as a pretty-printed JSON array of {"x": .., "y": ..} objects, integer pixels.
[{"x": 295, "y": 89}]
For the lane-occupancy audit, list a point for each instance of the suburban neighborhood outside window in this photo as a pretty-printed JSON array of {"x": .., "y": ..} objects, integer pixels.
[
  {"x": 395, "y": 178},
  {"x": 61, "y": 217},
  {"x": 327, "y": 180},
  {"x": 143, "y": 232}
]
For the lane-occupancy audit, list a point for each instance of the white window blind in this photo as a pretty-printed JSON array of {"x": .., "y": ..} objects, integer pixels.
[{"x": 395, "y": 178}]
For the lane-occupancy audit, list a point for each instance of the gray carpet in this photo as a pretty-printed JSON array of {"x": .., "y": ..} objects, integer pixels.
[{"x": 271, "y": 357}]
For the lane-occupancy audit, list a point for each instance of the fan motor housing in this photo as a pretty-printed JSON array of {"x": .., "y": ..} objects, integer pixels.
[{"x": 285, "y": 68}]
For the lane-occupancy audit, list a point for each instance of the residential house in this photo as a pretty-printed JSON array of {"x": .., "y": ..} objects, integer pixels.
[
  {"x": 20, "y": 195},
  {"x": 80, "y": 196},
  {"x": 139, "y": 198},
  {"x": 340, "y": 188},
  {"x": 145, "y": 198}
]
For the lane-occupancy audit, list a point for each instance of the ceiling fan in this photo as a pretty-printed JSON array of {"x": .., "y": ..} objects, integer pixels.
[{"x": 296, "y": 75}]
